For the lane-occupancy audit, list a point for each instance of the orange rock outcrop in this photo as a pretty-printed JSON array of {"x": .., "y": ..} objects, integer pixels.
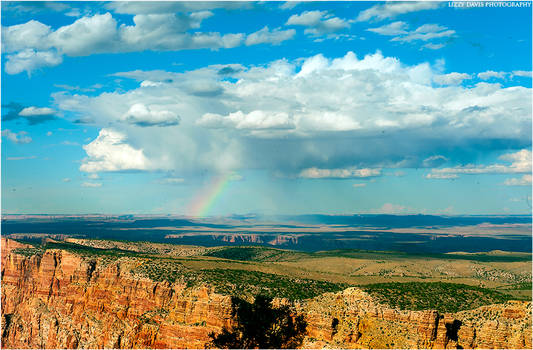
[{"x": 62, "y": 300}]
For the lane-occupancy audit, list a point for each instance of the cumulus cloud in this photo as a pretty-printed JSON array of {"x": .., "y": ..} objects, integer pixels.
[
  {"x": 393, "y": 9},
  {"x": 392, "y": 29},
  {"x": 377, "y": 113},
  {"x": 490, "y": 74},
  {"x": 451, "y": 78},
  {"x": 318, "y": 22},
  {"x": 29, "y": 60},
  {"x": 32, "y": 45},
  {"x": 109, "y": 152},
  {"x": 348, "y": 173},
  {"x": 522, "y": 73},
  {"x": 154, "y": 7},
  {"x": 33, "y": 115},
  {"x": 32, "y": 111},
  {"x": 523, "y": 181},
  {"x": 266, "y": 36},
  {"x": 429, "y": 33},
  {"x": 142, "y": 115},
  {"x": 254, "y": 120},
  {"x": 426, "y": 32},
  {"x": 16, "y": 137},
  {"x": 359, "y": 185},
  {"x": 520, "y": 163}
]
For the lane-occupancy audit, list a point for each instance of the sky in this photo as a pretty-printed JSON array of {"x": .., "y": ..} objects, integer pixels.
[{"x": 218, "y": 108}]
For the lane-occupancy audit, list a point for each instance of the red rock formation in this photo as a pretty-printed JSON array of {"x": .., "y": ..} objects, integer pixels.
[{"x": 62, "y": 300}]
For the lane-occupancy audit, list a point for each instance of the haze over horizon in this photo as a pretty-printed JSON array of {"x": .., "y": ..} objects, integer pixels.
[{"x": 214, "y": 109}]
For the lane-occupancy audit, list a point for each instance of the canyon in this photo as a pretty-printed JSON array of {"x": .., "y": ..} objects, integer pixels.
[{"x": 59, "y": 299}]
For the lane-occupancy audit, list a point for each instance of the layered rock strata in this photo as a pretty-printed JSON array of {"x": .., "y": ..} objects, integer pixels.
[{"x": 62, "y": 300}]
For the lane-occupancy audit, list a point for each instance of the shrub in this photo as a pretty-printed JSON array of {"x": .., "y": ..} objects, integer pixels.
[{"x": 259, "y": 325}]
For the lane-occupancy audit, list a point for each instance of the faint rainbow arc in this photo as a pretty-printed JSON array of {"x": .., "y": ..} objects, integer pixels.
[{"x": 205, "y": 200}]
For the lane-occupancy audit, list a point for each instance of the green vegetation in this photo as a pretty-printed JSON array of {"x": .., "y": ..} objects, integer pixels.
[
  {"x": 520, "y": 286},
  {"x": 246, "y": 283},
  {"x": 255, "y": 254},
  {"x": 380, "y": 255},
  {"x": 444, "y": 297},
  {"x": 29, "y": 251},
  {"x": 259, "y": 325},
  {"x": 242, "y": 283},
  {"x": 79, "y": 249},
  {"x": 160, "y": 270},
  {"x": 271, "y": 254}
]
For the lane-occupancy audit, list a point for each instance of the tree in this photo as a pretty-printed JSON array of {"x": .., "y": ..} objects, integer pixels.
[{"x": 261, "y": 326}]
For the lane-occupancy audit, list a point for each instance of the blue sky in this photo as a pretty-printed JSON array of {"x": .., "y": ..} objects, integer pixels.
[{"x": 312, "y": 107}]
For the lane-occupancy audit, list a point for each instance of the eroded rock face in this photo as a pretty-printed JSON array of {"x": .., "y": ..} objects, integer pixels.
[{"x": 61, "y": 300}]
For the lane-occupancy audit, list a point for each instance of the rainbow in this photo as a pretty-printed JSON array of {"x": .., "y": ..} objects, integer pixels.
[{"x": 207, "y": 197}]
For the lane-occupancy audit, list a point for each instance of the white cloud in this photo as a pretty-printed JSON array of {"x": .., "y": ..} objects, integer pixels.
[
  {"x": 252, "y": 121},
  {"x": 426, "y": 32},
  {"x": 149, "y": 83},
  {"x": 491, "y": 74},
  {"x": 20, "y": 137},
  {"x": 154, "y": 7},
  {"x": 434, "y": 161},
  {"x": 91, "y": 184},
  {"x": 29, "y": 60},
  {"x": 451, "y": 78},
  {"x": 359, "y": 185},
  {"x": 21, "y": 36},
  {"x": 32, "y": 111},
  {"x": 523, "y": 181},
  {"x": 347, "y": 173},
  {"x": 289, "y": 5},
  {"x": 33, "y": 45},
  {"x": 142, "y": 115},
  {"x": 392, "y": 29},
  {"x": 87, "y": 35},
  {"x": 266, "y": 36},
  {"x": 317, "y": 112},
  {"x": 49, "y": 133},
  {"x": 66, "y": 179},
  {"x": 318, "y": 22},
  {"x": 109, "y": 152},
  {"x": 393, "y": 9},
  {"x": 93, "y": 176},
  {"x": 433, "y": 46},
  {"x": 390, "y": 208},
  {"x": 520, "y": 163},
  {"x": 522, "y": 73}
]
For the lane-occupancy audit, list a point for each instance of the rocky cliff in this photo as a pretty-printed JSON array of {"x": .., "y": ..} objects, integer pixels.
[{"x": 61, "y": 300}]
